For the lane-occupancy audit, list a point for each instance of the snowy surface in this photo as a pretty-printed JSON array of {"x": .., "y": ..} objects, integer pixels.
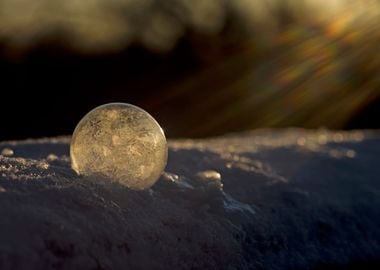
[{"x": 268, "y": 199}]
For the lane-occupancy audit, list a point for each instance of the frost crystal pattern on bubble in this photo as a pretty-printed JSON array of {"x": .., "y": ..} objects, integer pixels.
[{"x": 122, "y": 142}]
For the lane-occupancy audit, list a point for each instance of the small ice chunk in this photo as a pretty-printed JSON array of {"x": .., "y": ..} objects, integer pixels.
[
  {"x": 42, "y": 165},
  {"x": 170, "y": 176},
  {"x": 175, "y": 178},
  {"x": 51, "y": 157},
  {"x": 7, "y": 152},
  {"x": 209, "y": 175},
  {"x": 211, "y": 178}
]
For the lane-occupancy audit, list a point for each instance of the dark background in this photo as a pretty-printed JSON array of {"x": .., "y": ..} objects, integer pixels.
[{"x": 284, "y": 69}]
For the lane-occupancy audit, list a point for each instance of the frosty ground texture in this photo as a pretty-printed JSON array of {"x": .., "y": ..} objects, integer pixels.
[{"x": 268, "y": 199}]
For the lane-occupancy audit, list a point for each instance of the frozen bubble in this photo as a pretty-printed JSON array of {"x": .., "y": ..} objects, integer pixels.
[
  {"x": 7, "y": 152},
  {"x": 122, "y": 142}
]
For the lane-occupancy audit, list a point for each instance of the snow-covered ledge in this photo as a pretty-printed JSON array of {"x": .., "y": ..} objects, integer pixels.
[{"x": 268, "y": 199}]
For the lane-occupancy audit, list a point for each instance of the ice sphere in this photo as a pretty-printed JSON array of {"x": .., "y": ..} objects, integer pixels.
[{"x": 122, "y": 142}]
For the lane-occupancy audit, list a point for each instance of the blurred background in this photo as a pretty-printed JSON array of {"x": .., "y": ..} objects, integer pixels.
[{"x": 200, "y": 67}]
